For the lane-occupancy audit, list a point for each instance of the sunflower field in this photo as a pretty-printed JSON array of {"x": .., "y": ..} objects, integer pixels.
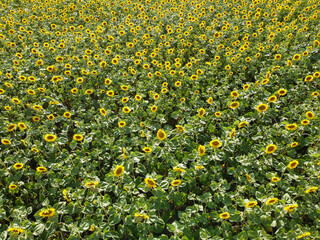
[{"x": 159, "y": 119}]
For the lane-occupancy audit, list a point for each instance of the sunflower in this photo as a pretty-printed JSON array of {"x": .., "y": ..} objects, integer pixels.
[
  {"x": 42, "y": 169},
  {"x": 88, "y": 92},
  {"x": 272, "y": 99},
  {"x": 291, "y": 126},
  {"x": 315, "y": 94},
  {"x": 50, "y": 137},
  {"x": 290, "y": 208},
  {"x": 103, "y": 111},
  {"x": 67, "y": 115},
  {"x": 246, "y": 86},
  {"x": 110, "y": 93},
  {"x": 215, "y": 143},
  {"x": 262, "y": 107},
  {"x": 147, "y": 150},
  {"x": 118, "y": 171},
  {"x": 234, "y": 94},
  {"x": 121, "y": 124},
  {"x": 304, "y": 235},
  {"x": 217, "y": 114},
  {"x": 271, "y": 148},
  {"x": 224, "y": 215},
  {"x": 275, "y": 179},
  {"x": 150, "y": 182},
  {"x": 201, "y": 112},
  {"x": 5, "y": 141},
  {"x": 126, "y": 110},
  {"x": 293, "y": 164},
  {"x": 15, "y": 100},
  {"x": 272, "y": 201},
  {"x": 13, "y": 186},
  {"x": 305, "y": 122},
  {"x": 308, "y": 78},
  {"x": 180, "y": 128},
  {"x": 175, "y": 183},
  {"x": 18, "y": 165},
  {"x": 234, "y": 105},
  {"x": 16, "y": 230},
  {"x": 312, "y": 189},
  {"x": 154, "y": 108},
  {"x": 199, "y": 167},
  {"x": 243, "y": 124},
  {"x": 34, "y": 150},
  {"x": 310, "y": 115},
  {"x": 296, "y": 57},
  {"x": 11, "y": 127},
  {"x": 47, "y": 212},
  {"x": 282, "y": 92},
  {"x": 92, "y": 185},
  {"x": 232, "y": 133},
  {"x": 210, "y": 100},
  {"x": 78, "y": 137},
  {"x": 22, "y": 126},
  {"x": 138, "y": 97},
  {"x": 201, "y": 150},
  {"x": 251, "y": 204},
  {"x": 161, "y": 134},
  {"x": 177, "y": 169},
  {"x": 294, "y": 144}
]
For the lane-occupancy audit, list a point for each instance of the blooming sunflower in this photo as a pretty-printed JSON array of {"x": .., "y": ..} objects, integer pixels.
[
  {"x": 291, "y": 126},
  {"x": 11, "y": 127},
  {"x": 118, "y": 171},
  {"x": 42, "y": 169},
  {"x": 251, "y": 204},
  {"x": 161, "y": 134},
  {"x": 312, "y": 189},
  {"x": 67, "y": 114},
  {"x": 215, "y": 143},
  {"x": 243, "y": 124},
  {"x": 224, "y": 215},
  {"x": 147, "y": 150},
  {"x": 78, "y": 137},
  {"x": 126, "y": 110},
  {"x": 177, "y": 169},
  {"x": 310, "y": 115},
  {"x": 201, "y": 112},
  {"x": 305, "y": 122},
  {"x": 16, "y": 230},
  {"x": 201, "y": 150},
  {"x": 150, "y": 182},
  {"x": 275, "y": 179},
  {"x": 262, "y": 107},
  {"x": 293, "y": 164},
  {"x": 282, "y": 92},
  {"x": 234, "y": 105},
  {"x": 272, "y": 99},
  {"x": 47, "y": 212},
  {"x": 272, "y": 201},
  {"x": 13, "y": 186},
  {"x": 290, "y": 208},
  {"x": 50, "y": 137},
  {"x": 271, "y": 148},
  {"x": 121, "y": 124},
  {"x": 175, "y": 183},
  {"x": 18, "y": 165}
]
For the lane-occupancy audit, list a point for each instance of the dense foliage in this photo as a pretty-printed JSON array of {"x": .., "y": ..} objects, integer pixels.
[{"x": 159, "y": 119}]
